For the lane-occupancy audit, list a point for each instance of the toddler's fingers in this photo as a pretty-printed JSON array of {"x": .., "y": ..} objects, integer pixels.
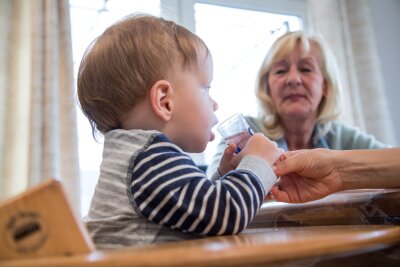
[{"x": 230, "y": 150}]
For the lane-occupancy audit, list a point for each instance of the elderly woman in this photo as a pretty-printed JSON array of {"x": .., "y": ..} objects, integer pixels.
[{"x": 300, "y": 92}]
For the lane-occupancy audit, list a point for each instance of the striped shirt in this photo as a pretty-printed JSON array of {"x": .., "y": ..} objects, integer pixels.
[{"x": 149, "y": 190}]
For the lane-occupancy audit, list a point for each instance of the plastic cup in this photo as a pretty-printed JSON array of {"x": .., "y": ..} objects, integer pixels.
[{"x": 235, "y": 130}]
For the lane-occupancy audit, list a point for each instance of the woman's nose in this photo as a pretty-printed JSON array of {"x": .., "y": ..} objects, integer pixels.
[{"x": 293, "y": 78}]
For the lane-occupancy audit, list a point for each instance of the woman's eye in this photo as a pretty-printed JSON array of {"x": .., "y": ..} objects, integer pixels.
[
  {"x": 306, "y": 69},
  {"x": 281, "y": 71}
]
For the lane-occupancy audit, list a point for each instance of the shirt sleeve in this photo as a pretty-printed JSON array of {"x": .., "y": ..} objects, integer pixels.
[{"x": 167, "y": 188}]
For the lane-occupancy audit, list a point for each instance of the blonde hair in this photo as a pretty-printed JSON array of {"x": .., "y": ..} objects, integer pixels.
[
  {"x": 121, "y": 65},
  {"x": 331, "y": 104}
]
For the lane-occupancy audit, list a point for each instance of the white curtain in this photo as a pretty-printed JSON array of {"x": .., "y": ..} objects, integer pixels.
[
  {"x": 38, "y": 133},
  {"x": 348, "y": 28}
]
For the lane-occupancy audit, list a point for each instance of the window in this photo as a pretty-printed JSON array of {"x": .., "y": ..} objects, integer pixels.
[{"x": 238, "y": 33}]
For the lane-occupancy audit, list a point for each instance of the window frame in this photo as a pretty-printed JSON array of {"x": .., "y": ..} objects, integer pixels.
[{"x": 182, "y": 11}]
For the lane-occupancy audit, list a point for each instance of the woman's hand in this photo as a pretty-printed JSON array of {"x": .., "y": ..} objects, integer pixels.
[{"x": 306, "y": 175}]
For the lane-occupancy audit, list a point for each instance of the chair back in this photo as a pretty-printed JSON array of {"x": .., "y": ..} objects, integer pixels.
[{"x": 41, "y": 223}]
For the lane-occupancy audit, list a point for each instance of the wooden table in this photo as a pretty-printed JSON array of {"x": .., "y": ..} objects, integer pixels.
[
  {"x": 361, "y": 224},
  {"x": 254, "y": 247},
  {"x": 353, "y": 207}
]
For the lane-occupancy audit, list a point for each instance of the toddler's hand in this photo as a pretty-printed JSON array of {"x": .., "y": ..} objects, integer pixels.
[
  {"x": 226, "y": 164},
  {"x": 259, "y": 145}
]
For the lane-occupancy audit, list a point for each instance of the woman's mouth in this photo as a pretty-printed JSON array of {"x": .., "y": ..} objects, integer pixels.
[{"x": 294, "y": 97}]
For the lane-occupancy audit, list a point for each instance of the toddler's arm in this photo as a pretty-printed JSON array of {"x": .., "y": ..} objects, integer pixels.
[{"x": 167, "y": 188}]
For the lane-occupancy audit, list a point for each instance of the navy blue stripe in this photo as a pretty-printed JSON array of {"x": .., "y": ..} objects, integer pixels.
[
  {"x": 164, "y": 193},
  {"x": 185, "y": 205},
  {"x": 220, "y": 215},
  {"x": 197, "y": 207},
  {"x": 208, "y": 214},
  {"x": 166, "y": 155}
]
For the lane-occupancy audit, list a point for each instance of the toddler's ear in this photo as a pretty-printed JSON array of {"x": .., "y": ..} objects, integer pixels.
[{"x": 161, "y": 99}]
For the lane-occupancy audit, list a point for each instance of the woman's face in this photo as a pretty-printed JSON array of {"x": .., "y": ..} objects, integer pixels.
[{"x": 297, "y": 85}]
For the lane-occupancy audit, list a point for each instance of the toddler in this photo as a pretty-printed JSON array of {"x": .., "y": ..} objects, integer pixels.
[{"x": 144, "y": 84}]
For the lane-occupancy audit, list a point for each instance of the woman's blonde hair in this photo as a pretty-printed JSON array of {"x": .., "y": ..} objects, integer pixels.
[
  {"x": 122, "y": 64},
  {"x": 331, "y": 104}
]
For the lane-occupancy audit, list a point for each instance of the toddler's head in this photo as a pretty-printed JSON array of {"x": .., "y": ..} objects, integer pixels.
[{"x": 122, "y": 65}]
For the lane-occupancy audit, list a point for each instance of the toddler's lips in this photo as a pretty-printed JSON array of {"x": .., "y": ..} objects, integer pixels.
[{"x": 212, "y": 136}]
